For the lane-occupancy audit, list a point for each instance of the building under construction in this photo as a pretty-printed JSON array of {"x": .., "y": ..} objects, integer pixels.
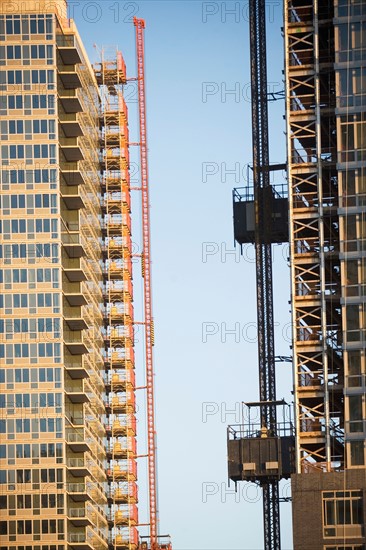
[
  {"x": 325, "y": 106},
  {"x": 325, "y": 45},
  {"x": 68, "y": 453}
]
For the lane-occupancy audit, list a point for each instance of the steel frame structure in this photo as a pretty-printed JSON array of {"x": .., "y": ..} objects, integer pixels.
[
  {"x": 314, "y": 235},
  {"x": 263, "y": 248}
]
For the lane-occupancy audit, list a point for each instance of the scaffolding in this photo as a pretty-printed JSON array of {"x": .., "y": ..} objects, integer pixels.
[
  {"x": 314, "y": 235},
  {"x": 118, "y": 307}
]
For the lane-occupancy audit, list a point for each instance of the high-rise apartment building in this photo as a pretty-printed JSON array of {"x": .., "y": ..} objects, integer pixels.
[
  {"x": 325, "y": 68},
  {"x": 67, "y": 402}
]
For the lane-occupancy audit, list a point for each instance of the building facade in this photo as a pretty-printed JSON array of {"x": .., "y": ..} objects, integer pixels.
[
  {"x": 325, "y": 54},
  {"x": 67, "y": 424}
]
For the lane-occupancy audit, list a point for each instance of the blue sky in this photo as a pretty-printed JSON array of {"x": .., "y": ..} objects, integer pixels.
[{"x": 196, "y": 52}]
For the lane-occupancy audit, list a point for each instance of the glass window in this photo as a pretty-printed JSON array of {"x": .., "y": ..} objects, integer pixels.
[
  {"x": 357, "y": 453},
  {"x": 341, "y": 508}
]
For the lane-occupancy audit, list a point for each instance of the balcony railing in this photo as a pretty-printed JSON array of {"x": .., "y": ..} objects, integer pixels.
[
  {"x": 68, "y": 48},
  {"x": 76, "y": 463},
  {"x": 71, "y": 148},
  {"x": 76, "y": 537},
  {"x": 73, "y": 244},
  {"x": 69, "y": 76},
  {"x": 70, "y": 124},
  {"x": 77, "y": 513},
  {"x": 75, "y": 269},
  {"x": 76, "y": 487},
  {"x": 70, "y": 100},
  {"x": 72, "y": 173},
  {"x": 75, "y": 341},
  {"x": 75, "y": 437}
]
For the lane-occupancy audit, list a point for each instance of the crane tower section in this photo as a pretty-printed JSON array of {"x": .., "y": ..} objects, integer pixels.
[{"x": 261, "y": 454}]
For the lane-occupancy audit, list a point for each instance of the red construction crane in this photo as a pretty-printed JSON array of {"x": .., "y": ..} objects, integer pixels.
[{"x": 148, "y": 320}]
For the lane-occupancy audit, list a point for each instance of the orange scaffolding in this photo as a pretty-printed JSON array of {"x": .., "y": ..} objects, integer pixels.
[{"x": 120, "y": 404}]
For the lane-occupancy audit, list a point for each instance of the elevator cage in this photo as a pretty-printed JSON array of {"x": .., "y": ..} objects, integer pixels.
[
  {"x": 257, "y": 455},
  {"x": 244, "y": 214}
]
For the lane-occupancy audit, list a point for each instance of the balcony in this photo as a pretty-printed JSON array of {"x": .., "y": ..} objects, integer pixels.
[
  {"x": 72, "y": 244},
  {"x": 71, "y": 148},
  {"x": 72, "y": 173},
  {"x": 74, "y": 318},
  {"x": 79, "y": 517},
  {"x": 75, "y": 418},
  {"x": 74, "y": 341},
  {"x": 78, "y": 467},
  {"x": 70, "y": 124},
  {"x": 74, "y": 269},
  {"x": 72, "y": 198},
  {"x": 78, "y": 492},
  {"x": 76, "y": 440},
  {"x": 69, "y": 76},
  {"x": 78, "y": 541},
  {"x": 76, "y": 392},
  {"x": 70, "y": 100},
  {"x": 73, "y": 294},
  {"x": 68, "y": 49},
  {"x": 75, "y": 369}
]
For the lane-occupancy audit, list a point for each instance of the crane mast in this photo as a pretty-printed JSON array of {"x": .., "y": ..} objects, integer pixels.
[
  {"x": 146, "y": 262},
  {"x": 262, "y": 452},
  {"x": 263, "y": 255}
]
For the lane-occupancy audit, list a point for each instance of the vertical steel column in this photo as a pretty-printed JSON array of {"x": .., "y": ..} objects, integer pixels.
[
  {"x": 288, "y": 100},
  {"x": 262, "y": 197},
  {"x": 321, "y": 240}
]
